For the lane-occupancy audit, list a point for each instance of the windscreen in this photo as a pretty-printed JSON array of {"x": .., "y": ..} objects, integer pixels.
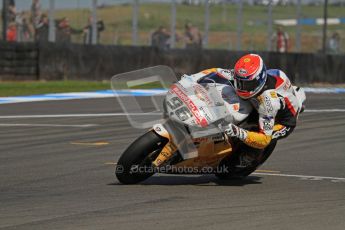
[{"x": 140, "y": 94}]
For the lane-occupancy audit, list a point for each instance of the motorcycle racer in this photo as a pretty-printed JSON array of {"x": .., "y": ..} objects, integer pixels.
[
  {"x": 271, "y": 93},
  {"x": 204, "y": 126}
]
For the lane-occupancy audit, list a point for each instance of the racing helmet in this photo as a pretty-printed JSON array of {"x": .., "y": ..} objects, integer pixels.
[{"x": 249, "y": 76}]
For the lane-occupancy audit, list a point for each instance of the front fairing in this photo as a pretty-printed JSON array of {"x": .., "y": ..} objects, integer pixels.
[{"x": 196, "y": 105}]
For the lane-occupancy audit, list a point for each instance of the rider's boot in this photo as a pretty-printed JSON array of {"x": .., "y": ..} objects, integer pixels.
[{"x": 248, "y": 156}]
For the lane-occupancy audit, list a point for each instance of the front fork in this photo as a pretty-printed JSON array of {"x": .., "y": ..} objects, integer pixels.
[{"x": 168, "y": 150}]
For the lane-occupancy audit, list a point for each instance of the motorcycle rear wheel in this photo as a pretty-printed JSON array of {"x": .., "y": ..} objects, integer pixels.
[
  {"x": 240, "y": 174},
  {"x": 140, "y": 153}
]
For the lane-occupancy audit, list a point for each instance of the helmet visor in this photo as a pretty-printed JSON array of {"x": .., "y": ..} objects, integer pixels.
[
  {"x": 250, "y": 85},
  {"x": 245, "y": 85}
]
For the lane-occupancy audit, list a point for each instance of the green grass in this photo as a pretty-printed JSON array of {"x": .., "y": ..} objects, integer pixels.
[
  {"x": 32, "y": 88},
  {"x": 38, "y": 87}
]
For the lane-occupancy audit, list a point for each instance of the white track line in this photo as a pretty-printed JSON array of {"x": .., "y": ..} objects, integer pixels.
[
  {"x": 304, "y": 177},
  {"x": 79, "y": 115},
  {"x": 47, "y": 125},
  {"x": 323, "y": 110},
  {"x": 130, "y": 114}
]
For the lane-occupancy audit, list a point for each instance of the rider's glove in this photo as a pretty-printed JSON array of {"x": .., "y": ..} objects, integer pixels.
[{"x": 235, "y": 131}]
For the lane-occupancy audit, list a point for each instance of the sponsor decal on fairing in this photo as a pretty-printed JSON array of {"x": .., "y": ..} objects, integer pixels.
[{"x": 192, "y": 107}]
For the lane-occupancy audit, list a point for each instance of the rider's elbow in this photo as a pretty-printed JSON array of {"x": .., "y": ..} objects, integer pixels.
[{"x": 257, "y": 140}]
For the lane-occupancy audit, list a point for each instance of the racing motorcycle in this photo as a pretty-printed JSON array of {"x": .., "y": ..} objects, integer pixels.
[{"x": 190, "y": 139}]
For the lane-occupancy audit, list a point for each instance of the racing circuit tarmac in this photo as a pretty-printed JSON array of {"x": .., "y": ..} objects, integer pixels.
[{"x": 58, "y": 173}]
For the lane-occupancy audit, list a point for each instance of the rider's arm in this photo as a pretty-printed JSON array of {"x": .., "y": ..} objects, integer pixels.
[
  {"x": 223, "y": 73},
  {"x": 197, "y": 76},
  {"x": 268, "y": 106}
]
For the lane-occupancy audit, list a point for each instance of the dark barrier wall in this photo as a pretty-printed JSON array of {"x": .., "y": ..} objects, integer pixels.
[
  {"x": 72, "y": 61},
  {"x": 58, "y": 61},
  {"x": 18, "y": 61}
]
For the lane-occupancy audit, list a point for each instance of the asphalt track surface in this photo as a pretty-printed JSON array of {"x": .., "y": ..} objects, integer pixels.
[{"x": 58, "y": 173}]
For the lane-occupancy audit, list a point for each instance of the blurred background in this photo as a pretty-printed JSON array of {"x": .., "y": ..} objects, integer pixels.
[
  {"x": 219, "y": 24},
  {"x": 95, "y": 39}
]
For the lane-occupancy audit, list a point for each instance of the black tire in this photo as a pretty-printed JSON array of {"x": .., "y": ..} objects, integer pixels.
[
  {"x": 141, "y": 152},
  {"x": 230, "y": 164}
]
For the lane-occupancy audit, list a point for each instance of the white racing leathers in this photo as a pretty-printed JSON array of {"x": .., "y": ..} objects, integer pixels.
[{"x": 278, "y": 105}]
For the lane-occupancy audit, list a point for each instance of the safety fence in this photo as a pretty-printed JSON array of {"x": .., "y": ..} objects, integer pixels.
[
  {"x": 59, "y": 61},
  {"x": 263, "y": 25}
]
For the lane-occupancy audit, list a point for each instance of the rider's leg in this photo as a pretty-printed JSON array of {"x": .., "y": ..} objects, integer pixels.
[
  {"x": 249, "y": 155},
  {"x": 281, "y": 131}
]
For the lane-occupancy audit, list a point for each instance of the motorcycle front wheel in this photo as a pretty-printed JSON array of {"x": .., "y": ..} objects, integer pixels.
[{"x": 134, "y": 165}]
